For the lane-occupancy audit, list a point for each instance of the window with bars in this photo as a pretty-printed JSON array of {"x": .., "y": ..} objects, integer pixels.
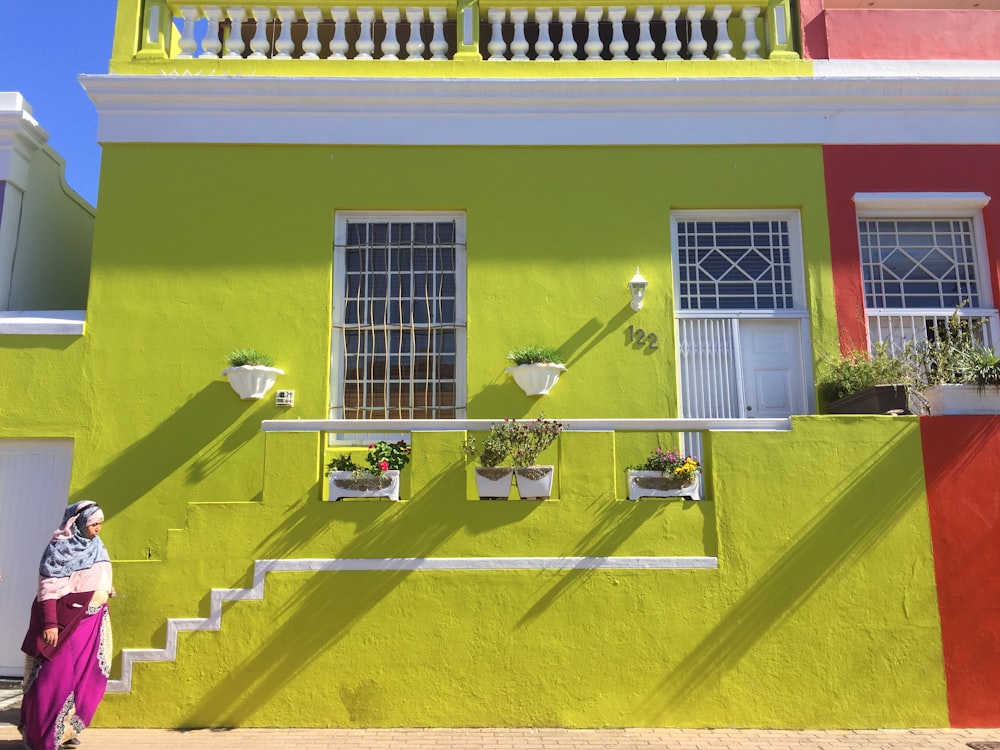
[
  {"x": 399, "y": 317},
  {"x": 734, "y": 265}
]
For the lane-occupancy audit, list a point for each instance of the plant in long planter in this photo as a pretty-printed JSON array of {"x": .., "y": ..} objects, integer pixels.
[
  {"x": 536, "y": 368},
  {"x": 665, "y": 473},
  {"x": 527, "y": 440},
  {"x": 493, "y": 479},
  {"x": 864, "y": 383},
  {"x": 379, "y": 479},
  {"x": 251, "y": 373}
]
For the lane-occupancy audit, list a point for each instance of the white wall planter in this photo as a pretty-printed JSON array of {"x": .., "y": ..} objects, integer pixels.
[
  {"x": 346, "y": 484},
  {"x": 534, "y": 482},
  {"x": 961, "y": 399},
  {"x": 658, "y": 484},
  {"x": 494, "y": 482},
  {"x": 537, "y": 378},
  {"x": 252, "y": 381}
]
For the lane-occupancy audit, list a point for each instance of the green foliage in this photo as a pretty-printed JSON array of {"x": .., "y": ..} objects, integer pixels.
[
  {"x": 672, "y": 463},
  {"x": 528, "y": 439},
  {"x": 382, "y": 457},
  {"x": 526, "y": 355},
  {"x": 495, "y": 450},
  {"x": 952, "y": 353},
  {"x": 860, "y": 370},
  {"x": 342, "y": 462},
  {"x": 249, "y": 356},
  {"x": 980, "y": 366}
]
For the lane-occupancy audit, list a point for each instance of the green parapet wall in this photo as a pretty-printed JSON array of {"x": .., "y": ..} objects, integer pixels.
[{"x": 822, "y": 612}]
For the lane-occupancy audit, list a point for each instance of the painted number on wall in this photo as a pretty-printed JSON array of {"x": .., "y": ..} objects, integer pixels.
[{"x": 641, "y": 338}]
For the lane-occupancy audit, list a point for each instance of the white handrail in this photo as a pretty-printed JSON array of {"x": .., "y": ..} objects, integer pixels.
[{"x": 571, "y": 425}]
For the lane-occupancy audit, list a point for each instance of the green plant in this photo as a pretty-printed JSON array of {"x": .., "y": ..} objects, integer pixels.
[
  {"x": 249, "y": 356},
  {"x": 952, "y": 353},
  {"x": 535, "y": 353},
  {"x": 382, "y": 457},
  {"x": 859, "y": 370},
  {"x": 495, "y": 449},
  {"x": 528, "y": 439},
  {"x": 980, "y": 366},
  {"x": 672, "y": 463},
  {"x": 342, "y": 462}
]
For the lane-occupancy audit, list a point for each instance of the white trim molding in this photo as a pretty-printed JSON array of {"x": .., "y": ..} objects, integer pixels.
[
  {"x": 20, "y": 137},
  {"x": 950, "y": 106},
  {"x": 934, "y": 202},
  {"x": 43, "y": 322},
  {"x": 388, "y": 564}
]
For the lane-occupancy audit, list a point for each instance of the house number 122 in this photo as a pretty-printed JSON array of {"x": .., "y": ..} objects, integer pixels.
[{"x": 639, "y": 337}]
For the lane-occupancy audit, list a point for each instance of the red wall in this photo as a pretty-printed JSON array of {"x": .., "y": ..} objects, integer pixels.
[
  {"x": 895, "y": 169},
  {"x": 962, "y": 469}
]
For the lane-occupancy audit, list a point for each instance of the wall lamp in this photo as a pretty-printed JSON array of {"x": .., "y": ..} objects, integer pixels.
[{"x": 637, "y": 288}]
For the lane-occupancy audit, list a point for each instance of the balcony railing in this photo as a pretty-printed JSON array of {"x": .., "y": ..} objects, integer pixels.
[
  {"x": 897, "y": 327},
  {"x": 468, "y": 31}
]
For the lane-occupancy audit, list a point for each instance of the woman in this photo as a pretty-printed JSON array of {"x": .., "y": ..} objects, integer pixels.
[{"x": 69, "y": 636}]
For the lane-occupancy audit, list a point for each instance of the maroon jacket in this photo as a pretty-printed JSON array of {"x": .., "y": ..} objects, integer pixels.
[{"x": 64, "y": 613}]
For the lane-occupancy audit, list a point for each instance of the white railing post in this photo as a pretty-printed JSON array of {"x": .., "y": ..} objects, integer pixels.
[
  {"x": 259, "y": 45},
  {"x": 671, "y": 43},
  {"x": 751, "y": 44},
  {"x": 593, "y": 46},
  {"x": 619, "y": 45},
  {"x": 439, "y": 45},
  {"x": 234, "y": 41},
  {"x": 390, "y": 45},
  {"x": 365, "y": 45},
  {"x": 211, "y": 44},
  {"x": 645, "y": 46},
  {"x": 567, "y": 45},
  {"x": 544, "y": 46},
  {"x": 187, "y": 43},
  {"x": 696, "y": 42},
  {"x": 284, "y": 46},
  {"x": 415, "y": 45},
  {"x": 311, "y": 44},
  {"x": 497, "y": 47},
  {"x": 339, "y": 44},
  {"x": 518, "y": 44},
  {"x": 723, "y": 44}
]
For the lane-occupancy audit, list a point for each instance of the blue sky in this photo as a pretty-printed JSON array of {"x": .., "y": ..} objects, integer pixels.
[{"x": 43, "y": 48}]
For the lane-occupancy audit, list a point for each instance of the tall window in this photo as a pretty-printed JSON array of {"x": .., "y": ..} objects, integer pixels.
[
  {"x": 922, "y": 258},
  {"x": 399, "y": 317}
]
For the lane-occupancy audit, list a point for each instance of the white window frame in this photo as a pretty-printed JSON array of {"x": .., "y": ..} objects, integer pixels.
[
  {"x": 933, "y": 205},
  {"x": 337, "y": 364}
]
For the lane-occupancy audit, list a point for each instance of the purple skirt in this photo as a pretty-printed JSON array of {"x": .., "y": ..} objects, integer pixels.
[{"x": 61, "y": 693}]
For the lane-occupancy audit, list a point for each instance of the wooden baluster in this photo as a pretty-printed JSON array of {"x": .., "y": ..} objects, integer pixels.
[
  {"x": 311, "y": 45},
  {"x": 618, "y": 46},
  {"x": 390, "y": 45},
  {"x": 234, "y": 42},
  {"x": 284, "y": 46},
  {"x": 544, "y": 46},
  {"x": 593, "y": 46},
  {"x": 339, "y": 44},
  {"x": 645, "y": 46},
  {"x": 751, "y": 44},
  {"x": 259, "y": 43},
  {"x": 211, "y": 44},
  {"x": 439, "y": 46},
  {"x": 519, "y": 44},
  {"x": 723, "y": 44},
  {"x": 187, "y": 43},
  {"x": 567, "y": 45},
  {"x": 671, "y": 44},
  {"x": 415, "y": 45},
  {"x": 497, "y": 47},
  {"x": 696, "y": 43}
]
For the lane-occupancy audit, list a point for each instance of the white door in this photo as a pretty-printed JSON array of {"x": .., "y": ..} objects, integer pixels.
[
  {"x": 34, "y": 486},
  {"x": 773, "y": 379}
]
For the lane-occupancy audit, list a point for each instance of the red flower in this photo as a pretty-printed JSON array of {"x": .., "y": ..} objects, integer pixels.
[{"x": 383, "y": 465}]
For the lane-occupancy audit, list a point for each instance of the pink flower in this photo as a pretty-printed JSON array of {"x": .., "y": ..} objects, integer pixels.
[
  {"x": 383, "y": 465},
  {"x": 371, "y": 445}
]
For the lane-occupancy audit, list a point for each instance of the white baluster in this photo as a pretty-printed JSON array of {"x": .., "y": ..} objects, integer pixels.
[
  {"x": 234, "y": 42},
  {"x": 751, "y": 44},
  {"x": 284, "y": 46},
  {"x": 339, "y": 45},
  {"x": 415, "y": 45},
  {"x": 671, "y": 44},
  {"x": 187, "y": 43},
  {"x": 618, "y": 46},
  {"x": 259, "y": 43},
  {"x": 567, "y": 45},
  {"x": 311, "y": 45},
  {"x": 365, "y": 46},
  {"x": 544, "y": 46},
  {"x": 211, "y": 45},
  {"x": 390, "y": 45},
  {"x": 645, "y": 45},
  {"x": 497, "y": 46},
  {"x": 696, "y": 43},
  {"x": 519, "y": 45},
  {"x": 439, "y": 46},
  {"x": 723, "y": 44},
  {"x": 593, "y": 46}
]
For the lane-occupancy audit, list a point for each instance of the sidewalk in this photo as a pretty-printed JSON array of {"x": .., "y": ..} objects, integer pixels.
[{"x": 516, "y": 739}]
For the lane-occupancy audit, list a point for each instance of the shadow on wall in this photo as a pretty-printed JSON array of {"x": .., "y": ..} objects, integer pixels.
[{"x": 850, "y": 524}]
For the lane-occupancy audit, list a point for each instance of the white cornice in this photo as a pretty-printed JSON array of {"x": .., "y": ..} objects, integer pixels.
[
  {"x": 20, "y": 137},
  {"x": 957, "y": 104}
]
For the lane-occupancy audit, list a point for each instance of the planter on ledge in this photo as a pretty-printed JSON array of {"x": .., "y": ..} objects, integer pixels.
[
  {"x": 961, "y": 399},
  {"x": 494, "y": 482},
  {"x": 658, "y": 484},
  {"x": 349, "y": 484},
  {"x": 536, "y": 378},
  {"x": 534, "y": 482},
  {"x": 252, "y": 381},
  {"x": 879, "y": 399}
]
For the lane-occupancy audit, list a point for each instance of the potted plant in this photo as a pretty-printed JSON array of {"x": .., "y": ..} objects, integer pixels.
[
  {"x": 952, "y": 371},
  {"x": 379, "y": 479},
  {"x": 527, "y": 440},
  {"x": 536, "y": 368},
  {"x": 251, "y": 373},
  {"x": 493, "y": 479},
  {"x": 665, "y": 474},
  {"x": 862, "y": 382}
]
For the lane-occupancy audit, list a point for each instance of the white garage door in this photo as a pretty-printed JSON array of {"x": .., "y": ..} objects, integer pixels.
[{"x": 34, "y": 486}]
